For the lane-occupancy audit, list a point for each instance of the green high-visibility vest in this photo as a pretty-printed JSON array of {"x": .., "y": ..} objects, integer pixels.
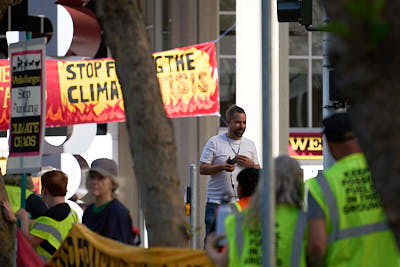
[
  {"x": 355, "y": 220},
  {"x": 53, "y": 231},
  {"x": 14, "y": 196},
  {"x": 245, "y": 242}
]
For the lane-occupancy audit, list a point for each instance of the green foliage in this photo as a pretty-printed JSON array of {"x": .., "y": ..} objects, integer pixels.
[{"x": 369, "y": 12}]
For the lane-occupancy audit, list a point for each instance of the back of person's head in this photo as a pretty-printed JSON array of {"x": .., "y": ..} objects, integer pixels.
[
  {"x": 338, "y": 128},
  {"x": 15, "y": 179},
  {"x": 248, "y": 180},
  {"x": 55, "y": 183},
  {"x": 232, "y": 110},
  {"x": 289, "y": 185}
]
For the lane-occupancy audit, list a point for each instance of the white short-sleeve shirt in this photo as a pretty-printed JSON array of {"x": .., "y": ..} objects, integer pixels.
[{"x": 217, "y": 150}]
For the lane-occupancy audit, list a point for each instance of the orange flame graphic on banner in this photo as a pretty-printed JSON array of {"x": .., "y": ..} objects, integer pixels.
[{"x": 188, "y": 80}]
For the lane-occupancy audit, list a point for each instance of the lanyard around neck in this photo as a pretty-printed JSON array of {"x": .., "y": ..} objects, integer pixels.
[{"x": 230, "y": 144}]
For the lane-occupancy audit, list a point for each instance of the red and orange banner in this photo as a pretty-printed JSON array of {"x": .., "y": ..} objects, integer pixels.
[
  {"x": 88, "y": 91},
  {"x": 82, "y": 91},
  {"x": 188, "y": 78}
]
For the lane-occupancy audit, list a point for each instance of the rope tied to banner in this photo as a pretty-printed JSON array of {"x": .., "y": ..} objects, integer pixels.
[{"x": 225, "y": 33}]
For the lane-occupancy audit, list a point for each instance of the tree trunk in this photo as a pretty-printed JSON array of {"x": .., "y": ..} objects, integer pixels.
[
  {"x": 151, "y": 134},
  {"x": 7, "y": 234},
  {"x": 4, "y": 4},
  {"x": 366, "y": 62}
]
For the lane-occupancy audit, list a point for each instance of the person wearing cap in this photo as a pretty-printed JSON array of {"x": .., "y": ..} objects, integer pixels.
[
  {"x": 107, "y": 216},
  {"x": 47, "y": 232},
  {"x": 347, "y": 224}
]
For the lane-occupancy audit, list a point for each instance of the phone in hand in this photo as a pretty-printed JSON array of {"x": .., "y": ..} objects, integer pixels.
[{"x": 231, "y": 161}]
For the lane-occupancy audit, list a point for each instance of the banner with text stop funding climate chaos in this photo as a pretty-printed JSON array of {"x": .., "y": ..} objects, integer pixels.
[{"x": 188, "y": 79}]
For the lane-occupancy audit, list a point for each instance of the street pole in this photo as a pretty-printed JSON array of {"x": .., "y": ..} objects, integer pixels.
[
  {"x": 194, "y": 205},
  {"x": 268, "y": 179},
  {"x": 327, "y": 104}
]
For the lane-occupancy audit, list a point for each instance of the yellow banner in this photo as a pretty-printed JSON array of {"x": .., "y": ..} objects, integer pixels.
[
  {"x": 83, "y": 247},
  {"x": 89, "y": 84}
]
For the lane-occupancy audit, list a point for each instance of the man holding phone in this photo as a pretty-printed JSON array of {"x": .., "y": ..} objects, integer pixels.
[{"x": 223, "y": 157}]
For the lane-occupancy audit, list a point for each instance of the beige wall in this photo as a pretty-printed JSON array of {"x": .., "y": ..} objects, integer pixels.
[{"x": 192, "y": 22}]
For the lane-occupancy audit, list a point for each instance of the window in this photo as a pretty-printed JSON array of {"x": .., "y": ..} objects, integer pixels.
[
  {"x": 305, "y": 73},
  {"x": 227, "y": 55}
]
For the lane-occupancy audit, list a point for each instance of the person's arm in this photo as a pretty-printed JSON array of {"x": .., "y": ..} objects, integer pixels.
[
  {"x": 23, "y": 217},
  {"x": 210, "y": 169},
  {"x": 247, "y": 162},
  {"x": 317, "y": 243},
  {"x": 219, "y": 258},
  {"x": 7, "y": 209}
]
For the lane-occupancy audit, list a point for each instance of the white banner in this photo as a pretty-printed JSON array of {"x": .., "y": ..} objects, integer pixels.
[{"x": 28, "y": 105}]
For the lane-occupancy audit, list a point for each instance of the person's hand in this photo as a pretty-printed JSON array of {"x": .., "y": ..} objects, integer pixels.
[
  {"x": 22, "y": 214},
  {"x": 228, "y": 167},
  {"x": 9, "y": 214},
  {"x": 219, "y": 258},
  {"x": 245, "y": 161}
]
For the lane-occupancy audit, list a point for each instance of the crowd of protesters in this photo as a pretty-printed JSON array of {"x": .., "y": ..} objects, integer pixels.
[
  {"x": 343, "y": 223},
  {"x": 334, "y": 219},
  {"x": 47, "y": 219}
]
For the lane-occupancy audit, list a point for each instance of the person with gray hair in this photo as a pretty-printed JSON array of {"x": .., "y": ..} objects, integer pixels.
[
  {"x": 107, "y": 216},
  {"x": 244, "y": 229}
]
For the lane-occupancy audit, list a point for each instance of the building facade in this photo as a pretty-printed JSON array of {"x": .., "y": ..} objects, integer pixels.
[{"x": 296, "y": 84}]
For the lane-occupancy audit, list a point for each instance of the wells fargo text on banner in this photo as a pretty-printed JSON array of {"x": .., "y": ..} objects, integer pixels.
[
  {"x": 83, "y": 247},
  {"x": 188, "y": 79},
  {"x": 305, "y": 145}
]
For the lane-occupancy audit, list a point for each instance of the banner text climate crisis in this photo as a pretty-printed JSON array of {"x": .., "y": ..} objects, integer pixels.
[
  {"x": 87, "y": 82},
  {"x": 184, "y": 75},
  {"x": 179, "y": 69}
]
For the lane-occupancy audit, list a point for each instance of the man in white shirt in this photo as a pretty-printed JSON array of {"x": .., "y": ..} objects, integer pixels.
[{"x": 223, "y": 157}]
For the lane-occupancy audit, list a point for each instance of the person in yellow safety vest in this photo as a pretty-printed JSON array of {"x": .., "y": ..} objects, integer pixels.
[
  {"x": 247, "y": 183},
  {"x": 244, "y": 230},
  {"x": 34, "y": 203},
  {"x": 347, "y": 224},
  {"x": 47, "y": 232}
]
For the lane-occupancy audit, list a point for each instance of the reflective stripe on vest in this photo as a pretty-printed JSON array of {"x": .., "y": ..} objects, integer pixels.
[
  {"x": 239, "y": 233},
  {"x": 49, "y": 229},
  {"x": 52, "y": 234},
  {"x": 355, "y": 231},
  {"x": 237, "y": 208},
  {"x": 298, "y": 239},
  {"x": 297, "y": 242}
]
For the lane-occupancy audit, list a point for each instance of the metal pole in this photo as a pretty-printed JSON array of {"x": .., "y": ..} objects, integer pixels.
[
  {"x": 327, "y": 104},
  {"x": 268, "y": 180},
  {"x": 194, "y": 207}
]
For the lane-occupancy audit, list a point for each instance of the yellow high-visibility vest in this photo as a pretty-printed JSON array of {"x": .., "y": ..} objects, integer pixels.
[
  {"x": 14, "y": 196},
  {"x": 358, "y": 234},
  {"x": 53, "y": 231},
  {"x": 245, "y": 242}
]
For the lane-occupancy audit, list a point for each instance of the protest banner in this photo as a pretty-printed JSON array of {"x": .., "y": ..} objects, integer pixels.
[
  {"x": 88, "y": 91},
  {"x": 188, "y": 79},
  {"x": 83, "y": 247},
  {"x": 27, "y": 95}
]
